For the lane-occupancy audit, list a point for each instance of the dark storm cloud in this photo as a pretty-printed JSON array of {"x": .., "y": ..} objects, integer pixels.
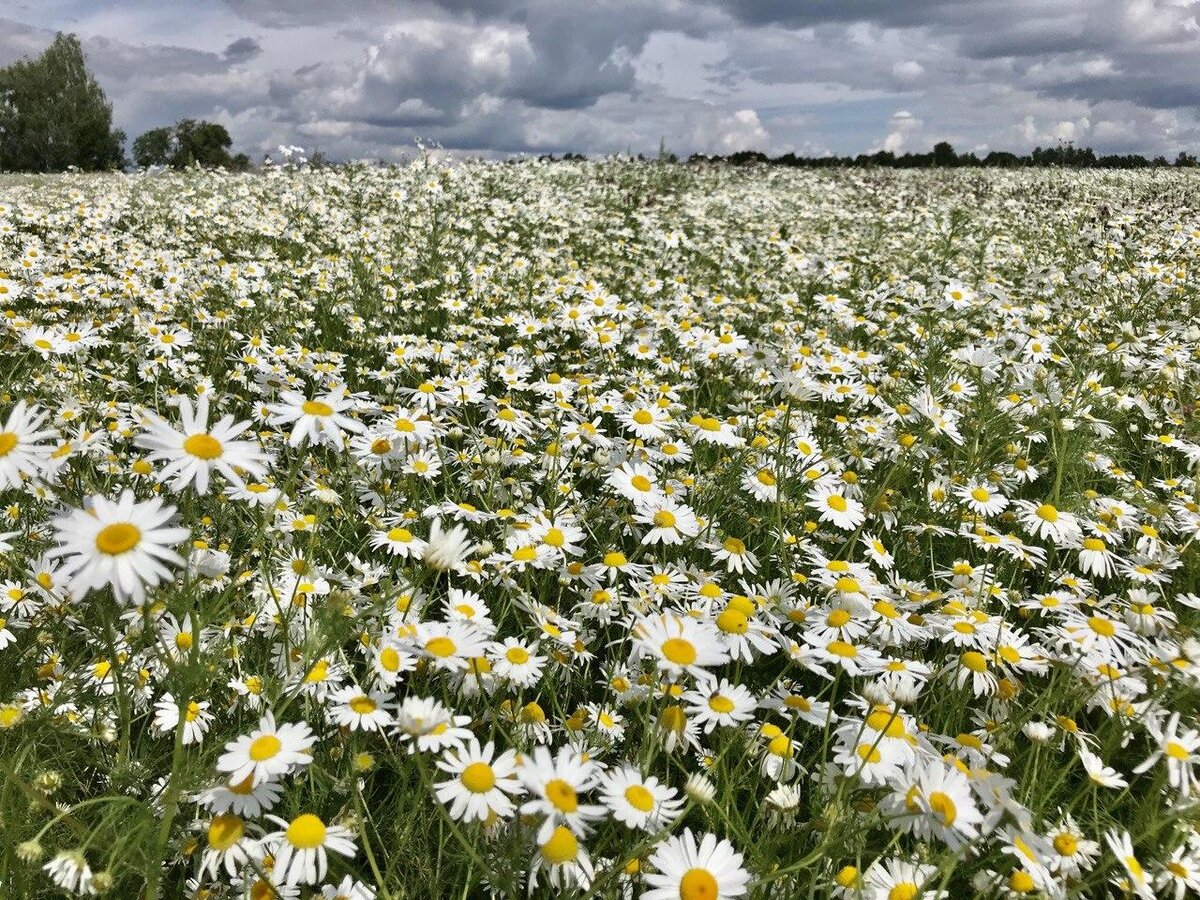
[
  {"x": 242, "y": 49},
  {"x": 368, "y": 77}
]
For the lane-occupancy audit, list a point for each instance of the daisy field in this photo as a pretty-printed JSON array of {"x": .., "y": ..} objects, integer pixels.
[{"x": 599, "y": 530}]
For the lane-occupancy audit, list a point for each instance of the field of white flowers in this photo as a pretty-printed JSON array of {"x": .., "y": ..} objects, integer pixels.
[{"x": 599, "y": 530}]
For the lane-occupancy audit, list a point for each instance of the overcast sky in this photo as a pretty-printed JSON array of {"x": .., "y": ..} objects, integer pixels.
[{"x": 366, "y": 78}]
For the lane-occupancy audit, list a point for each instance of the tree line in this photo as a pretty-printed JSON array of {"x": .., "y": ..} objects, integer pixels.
[
  {"x": 54, "y": 116},
  {"x": 943, "y": 155}
]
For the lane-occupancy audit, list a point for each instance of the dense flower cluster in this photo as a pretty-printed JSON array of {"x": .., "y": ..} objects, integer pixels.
[{"x": 611, "y": 528}]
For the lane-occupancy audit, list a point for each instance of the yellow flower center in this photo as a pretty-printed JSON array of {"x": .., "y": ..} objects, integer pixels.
[
  {"x": 363, "y": 705},
  {"x": 8, "y": 441},
  {"x": 664, "y": 519},
  {"x": 836, "y": 502},
  {"x": 562, "y": 795},
  {"x": 225, "y": 831},
  {"x": 680, "y": 651},
  {"x": 698, "y": 884},
  {"x": 641, "y": 482},
  {"x": 943, "y": 807},
  {"x": 974, "y": 661},
  {"x": 732, "y": 621},
  {"x": 203, "y": 446},
  {"x": 1047, "y": 513},
  {"x": 643, "y": 417},
  {"x": 399, "y": 535},
  {"x": 562, "y": 847},
  {"x": 720, "y": 703},
  {"x": 316, "y": 408},
  {"x": 1065, "y": 844},
  {"x": 306, "y": 832},
  {"x": 639, "y": 798},
  {"x": 1102, "y": 626},
  {"x": 118, "y": 538},
  {"x": 517, "y": 655},
  {"x": 890, "y": 725},
  {"x": 478, "y": 778},
  {"x": 905, "y": 890},
  {"x": 1177, "y": 751},
  {"x": 842, "y": 649},
  {"x": 264, "y": 747},
  {"x": 981, "y": 495},
  {"x": 440, "y": 647}
]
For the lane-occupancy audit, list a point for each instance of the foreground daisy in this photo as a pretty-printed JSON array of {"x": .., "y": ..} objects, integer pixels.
[
  {"x": 124, "y": 544},
  {"x": 685, "y": 871},
  {"x": 300, "y": 848},
  {"x": 481, "y": 785},
  {"x": 267, "y": 752},
  {"x": 22, "y": 453},
  {"x": 194, "y": 452},
  {"x": 319, "y": 420}
]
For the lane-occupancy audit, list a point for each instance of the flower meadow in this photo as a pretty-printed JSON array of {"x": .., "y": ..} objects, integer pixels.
[{"x": 607, "y": 529}]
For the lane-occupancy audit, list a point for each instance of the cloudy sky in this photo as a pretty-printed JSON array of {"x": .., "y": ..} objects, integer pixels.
[{"x": 367, "y": 78}]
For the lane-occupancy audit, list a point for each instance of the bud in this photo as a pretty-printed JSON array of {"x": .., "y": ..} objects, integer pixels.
[
  {"x": 1039, "y": 732},
  {"x": 30, "y": 851},
  {"x": 700, "y": 788}
]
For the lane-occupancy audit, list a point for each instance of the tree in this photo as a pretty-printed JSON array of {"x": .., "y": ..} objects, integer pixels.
[
  {"x": 187, "y": 143},
  {"x": 153, "y": 148},
  {"x": 943, "y": 154},
  {"x": 53, "y": 114},
  {"x": 206, "y": 143}
]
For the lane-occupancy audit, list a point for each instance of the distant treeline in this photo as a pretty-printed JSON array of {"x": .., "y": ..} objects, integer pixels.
[{"x": 942, "y": 155}]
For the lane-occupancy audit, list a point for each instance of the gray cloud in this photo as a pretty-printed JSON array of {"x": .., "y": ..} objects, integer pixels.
[
  {"x": 368, "y": 77},
  {"x": 242, "y": 50}
]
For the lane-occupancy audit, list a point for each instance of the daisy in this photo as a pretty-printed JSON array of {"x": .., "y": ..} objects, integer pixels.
[
  {"x": 428, "y": 726},
  {"x": 564, "y": 859},
  {"x": 1046, "y": 521},
  {"x": 124, "y": 544},
  {"x": 242, "y": 798},
  {"x": 318, "y": 420},
  {"x": 556, "y": 783},
  {"x": 636, "y": 482},
  {"x": 671, "y": 522},
  {"x": 945, "y": 798},
  {"x": 229, "y": 847},
  {"x": 836, "y": 508},
  {"x": 451, "y": 645},
  {"x": 353, "y": 708},
  {"x": 300, "y": 848},
  {"x": 981, "y": 500},
  {"x": 196, "y": 718},
  {"x": 22, "y": 451},
  {"x": 722, "y": 703},
  {"x": 517, "y": 662},
  {"x": 679, "y": 645},
  {"x": 890, "y": 879},
  {"x": 268, "y": 751},
  {"x": 194, "y": 452},
  {"x": 639, "y": 802},
  {"x": 1122, "y": 848},
  {"x": 684, "y": 870},
  {"x": 482, "y": 784},
  {"x": 1181, "y": 750},
  {"x": 399, "y": 541},
  {"x": 447, "y": 551}
]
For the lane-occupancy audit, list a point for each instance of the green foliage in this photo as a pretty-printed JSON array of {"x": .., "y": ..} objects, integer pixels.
[
  {"x": 187, "y": 143},
  {"x": 53, "y": 114}
]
